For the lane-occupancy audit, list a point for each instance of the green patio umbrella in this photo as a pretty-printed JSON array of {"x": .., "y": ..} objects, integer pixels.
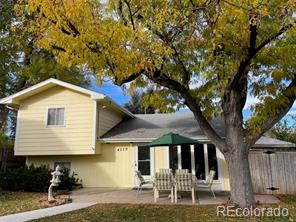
[{"x": 172, "y": 139}]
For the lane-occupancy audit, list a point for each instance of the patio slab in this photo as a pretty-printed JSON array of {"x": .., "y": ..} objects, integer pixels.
[
  {"x": 125, "y": 195},
  {"x": 266, "y": 199}
]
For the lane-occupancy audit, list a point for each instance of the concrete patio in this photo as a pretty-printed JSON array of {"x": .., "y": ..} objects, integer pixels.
[{"x": 115, "y": 195}]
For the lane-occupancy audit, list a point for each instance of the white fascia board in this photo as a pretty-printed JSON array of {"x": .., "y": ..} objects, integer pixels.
[{"x": 9, "y": 99}]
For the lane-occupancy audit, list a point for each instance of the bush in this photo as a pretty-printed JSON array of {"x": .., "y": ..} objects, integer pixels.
[
  {"x": 68, "y": 182},
  {"x": 35, "y": 179},
  {"x": 32, "y": 179},
  {"x": 12, "y": 179}
]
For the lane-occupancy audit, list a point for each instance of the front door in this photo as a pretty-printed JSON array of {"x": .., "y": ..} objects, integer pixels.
[{"x": 144, "y": 161}]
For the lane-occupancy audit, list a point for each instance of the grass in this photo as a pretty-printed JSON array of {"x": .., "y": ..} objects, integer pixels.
[
  {"x": 16, "y": 202},
  {"x": 162, "y": 213}
]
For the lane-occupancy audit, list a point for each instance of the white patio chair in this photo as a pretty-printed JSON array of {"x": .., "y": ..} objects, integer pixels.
[
  {"x": 184, "y": 182},
  {"x": 141, "y": 181},
  {"x": 208, "y": 183},
  {"x": 164, "y": 181}
]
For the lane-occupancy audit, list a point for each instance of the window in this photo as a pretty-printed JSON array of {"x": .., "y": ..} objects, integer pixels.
[
  {"x": 55, "y": 116},
  {"x": 212, "y": 159},
  {"x": 173, "y": 157},
  {"x": 186, "y": 157},
  {"x": 199, "y": 162},
  {"x": 144, "y": 160},
  {"x": 205, "y": 160},
  {"x": 63, "y": 165}
]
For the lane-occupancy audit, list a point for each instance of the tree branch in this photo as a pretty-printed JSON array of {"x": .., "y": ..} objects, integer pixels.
[
  {"x": 58, "y": 48},
  {"x": 253, "y": 50},
  {"x": 130, "y": 78},
  {"x": 273, "y": 37},
  {"x": 120, "y": 12},
  {"x": 165, "y": 81},
  {"x": 289, "y": 94},
  {"x": 186, "y": 74},
  {"x": 130, "y": 14}
]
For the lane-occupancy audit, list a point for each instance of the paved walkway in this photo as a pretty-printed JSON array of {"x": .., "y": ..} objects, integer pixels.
[{"x": 35, "y": 214}]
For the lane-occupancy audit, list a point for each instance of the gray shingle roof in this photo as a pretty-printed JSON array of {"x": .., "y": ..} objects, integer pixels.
[
  {"x": 146, "y": 127},
  {"x": 271, "y": 142},
  {"x": 156, "y": 125},
  {"x": 151, "y": 126}
]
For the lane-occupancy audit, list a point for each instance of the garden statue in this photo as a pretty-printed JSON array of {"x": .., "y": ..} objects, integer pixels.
[{"x": 54, "y": 182}]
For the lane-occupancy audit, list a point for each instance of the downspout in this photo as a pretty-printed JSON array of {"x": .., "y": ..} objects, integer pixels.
[{"x": 95, "y": 119}]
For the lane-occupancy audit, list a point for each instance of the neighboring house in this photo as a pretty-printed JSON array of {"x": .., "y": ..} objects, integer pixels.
[{"x": 59, "y": 123}]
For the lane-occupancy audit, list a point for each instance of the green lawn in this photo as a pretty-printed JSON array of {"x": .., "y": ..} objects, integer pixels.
[
  {"x": 161, "y": 213},
  {"x": 15, "y": 202}
]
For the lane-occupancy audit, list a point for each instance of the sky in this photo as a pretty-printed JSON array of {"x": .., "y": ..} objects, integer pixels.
[{"x": 121, "y": 97}]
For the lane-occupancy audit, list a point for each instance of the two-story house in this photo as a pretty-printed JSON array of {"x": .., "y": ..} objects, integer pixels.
[{"x": 86, "y": 131}]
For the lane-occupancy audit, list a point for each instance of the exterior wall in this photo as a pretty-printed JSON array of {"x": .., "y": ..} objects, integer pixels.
[
  {"x": 161, "y": 158},
  {"x": 113, "y": 168},
  {"x": 75, "y": 137},
  {"x": 108, "y": 118}
]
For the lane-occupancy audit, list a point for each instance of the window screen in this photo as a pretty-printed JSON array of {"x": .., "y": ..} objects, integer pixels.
[
  {"x": 63, "y": 165},
  {"x": 55, "y": 116}
]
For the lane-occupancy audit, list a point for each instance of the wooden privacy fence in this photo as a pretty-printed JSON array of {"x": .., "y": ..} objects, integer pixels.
[{"x": 273, "y": 172}]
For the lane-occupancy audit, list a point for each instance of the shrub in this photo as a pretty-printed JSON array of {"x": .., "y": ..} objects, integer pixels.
[
  {"x": 32, "y": 179},
  {"x": 35, "y": 179},
  {"x": 12, "y": 179},
  {"x": 68, "y": 182}
]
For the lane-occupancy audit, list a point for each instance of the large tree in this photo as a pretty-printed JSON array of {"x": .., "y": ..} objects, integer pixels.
[
  {"x": 136, "y": 103},
  {"x": 208, "y": 55},
  {"x": 22, "y": 64},
  {"x": 284, "y": 130}
]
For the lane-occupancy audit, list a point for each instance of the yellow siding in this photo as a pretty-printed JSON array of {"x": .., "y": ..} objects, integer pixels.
[
  {"x": 160, "y": 158},
  {"x": 113, "y": 168},
  {"x": 76, "y": 137},
  {"x": 108, "y": 118}
]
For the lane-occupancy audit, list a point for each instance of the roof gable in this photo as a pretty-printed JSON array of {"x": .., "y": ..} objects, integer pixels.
[
  {"x": 47, "y": 84},
  {"x": 15, "y": 99}
]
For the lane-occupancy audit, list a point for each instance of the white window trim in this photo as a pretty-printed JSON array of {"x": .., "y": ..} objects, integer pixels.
[
  {"x": 136, "y": 163},
  {"x": 46, "y": 117}
]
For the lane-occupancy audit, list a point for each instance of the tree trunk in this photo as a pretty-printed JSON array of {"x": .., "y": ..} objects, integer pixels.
[
  {"x": 3, "y": 118},
  {"x": 4, "y": 160},
  {"x": 241, "y": 188}
]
